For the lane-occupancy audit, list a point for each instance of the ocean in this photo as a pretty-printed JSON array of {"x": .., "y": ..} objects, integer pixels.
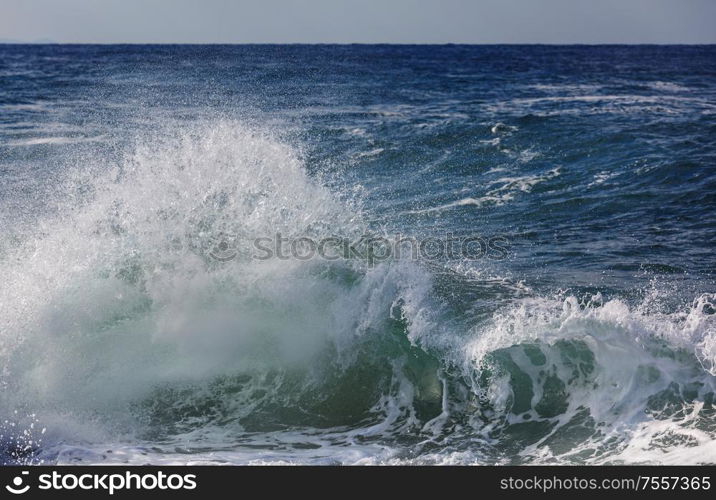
[{"x": 357, "y": 254}]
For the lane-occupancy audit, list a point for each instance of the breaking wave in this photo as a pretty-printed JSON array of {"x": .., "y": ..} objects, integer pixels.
[{"x": 123, "y": 339}]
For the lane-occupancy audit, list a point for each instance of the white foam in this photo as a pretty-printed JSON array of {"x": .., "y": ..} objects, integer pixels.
[
  {"x": 632, "y": 364},
  {"x": 503, "y": 190},
  {"x": 37, "y": 141}
]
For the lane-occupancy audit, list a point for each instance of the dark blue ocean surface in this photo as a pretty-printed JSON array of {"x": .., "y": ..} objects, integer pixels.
[{"x": 135, "y": 316}]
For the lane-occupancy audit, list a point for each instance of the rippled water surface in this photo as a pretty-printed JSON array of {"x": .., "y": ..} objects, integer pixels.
[{"x": 124, "y": 339}]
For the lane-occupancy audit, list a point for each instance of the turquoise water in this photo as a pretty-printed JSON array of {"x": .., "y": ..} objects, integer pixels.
[{"x": 137, "y": 324}]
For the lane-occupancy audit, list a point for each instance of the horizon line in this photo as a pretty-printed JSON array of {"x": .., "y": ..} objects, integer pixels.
[{"x": 49, "y": 42}]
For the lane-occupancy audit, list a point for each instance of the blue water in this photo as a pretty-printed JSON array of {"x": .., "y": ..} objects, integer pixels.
[{"x": 591, "y": 339}]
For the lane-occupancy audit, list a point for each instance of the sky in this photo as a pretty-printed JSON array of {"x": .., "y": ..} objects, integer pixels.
[{"x": 359, "y": 21}]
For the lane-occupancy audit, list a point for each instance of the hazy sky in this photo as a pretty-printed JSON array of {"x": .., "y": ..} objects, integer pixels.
[{"x": 366, "y": 21}]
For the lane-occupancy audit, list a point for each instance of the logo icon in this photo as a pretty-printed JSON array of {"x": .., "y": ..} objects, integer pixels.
[
  {"x": 224, "y": 248},
  {"x": 18, "y": 489}
]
